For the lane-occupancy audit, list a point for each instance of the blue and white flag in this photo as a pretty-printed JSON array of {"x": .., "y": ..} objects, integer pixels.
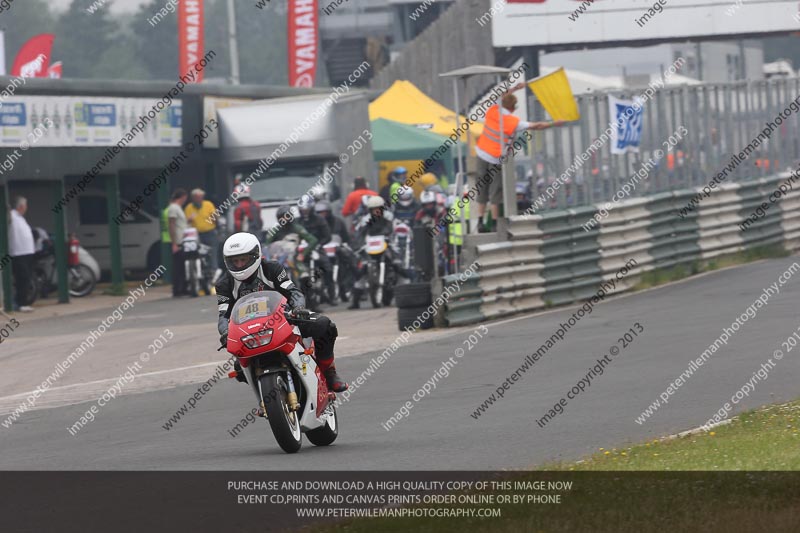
[{"x": 626, "y": 121}]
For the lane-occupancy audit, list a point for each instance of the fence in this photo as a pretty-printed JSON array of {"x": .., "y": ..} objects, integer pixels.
[
  {"x": 721, "y": 120},
  {"x": 549, "y": 259}
]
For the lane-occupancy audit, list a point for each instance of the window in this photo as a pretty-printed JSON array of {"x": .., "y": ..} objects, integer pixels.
[
  {"x": 135, "y": 218},
  {"x": 92, "y": 210}
]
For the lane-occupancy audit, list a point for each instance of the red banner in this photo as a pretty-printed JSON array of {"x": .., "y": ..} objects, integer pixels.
[
  {"x": 303, "y": 40},
  {"x": 190, "y": 38},
  {"x": 33, "y": 58}
]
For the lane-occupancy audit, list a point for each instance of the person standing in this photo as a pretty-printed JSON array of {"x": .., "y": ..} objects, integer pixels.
[
  {"x": 199, "y": 214},
  {"x": 353, "y": 200},
  {"x": 21, "y": 248},
  {"x": 489, "y": 152},
  {"x": 177, "y": 225}
]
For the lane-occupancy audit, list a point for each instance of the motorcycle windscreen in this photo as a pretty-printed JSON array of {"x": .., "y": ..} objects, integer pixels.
[{"x": 256, "y": 305}]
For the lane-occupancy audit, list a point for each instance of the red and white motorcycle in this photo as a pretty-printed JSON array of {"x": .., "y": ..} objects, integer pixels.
[{"x": 279, "y": 366}]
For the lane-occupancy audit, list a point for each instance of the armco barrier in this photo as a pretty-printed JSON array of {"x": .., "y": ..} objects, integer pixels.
[{"x": 549, "y": 259}]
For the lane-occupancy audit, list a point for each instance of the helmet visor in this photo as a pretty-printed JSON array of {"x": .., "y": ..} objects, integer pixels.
[{"x": 241, "y": 262}]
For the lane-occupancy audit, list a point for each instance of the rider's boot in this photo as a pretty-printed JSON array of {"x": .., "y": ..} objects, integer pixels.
[
  {"x": 335, "y": 382},
  {"x": 239, "y": 372}
]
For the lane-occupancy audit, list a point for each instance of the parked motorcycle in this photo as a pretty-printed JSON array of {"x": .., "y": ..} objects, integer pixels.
[
  {"x": 196, "y": 263},
  {"x": 403, "y": 245},
  {"x": 314, "y": 285},
  {"x": 279, "y": 366},
  {"x": 342, "y": 261},
  {"x": 82, "y": 273},
  {"x": 380, "y": 273}
]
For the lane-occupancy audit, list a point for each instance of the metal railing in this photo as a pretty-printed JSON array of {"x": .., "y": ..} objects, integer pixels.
[{"x": 721, "y": 119}]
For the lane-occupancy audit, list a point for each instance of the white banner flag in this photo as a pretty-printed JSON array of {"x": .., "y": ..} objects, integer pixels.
[{"x": 626, "y": 119}]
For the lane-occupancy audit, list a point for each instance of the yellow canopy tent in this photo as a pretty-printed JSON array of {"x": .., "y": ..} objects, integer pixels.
[{"x": 404, "y": 102}]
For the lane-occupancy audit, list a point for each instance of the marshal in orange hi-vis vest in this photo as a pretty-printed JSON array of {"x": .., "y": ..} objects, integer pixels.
[{"x": 489, "y": 141}]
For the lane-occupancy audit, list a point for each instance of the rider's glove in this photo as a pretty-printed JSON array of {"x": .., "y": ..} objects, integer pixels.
[{"x": 301, "y": 312}]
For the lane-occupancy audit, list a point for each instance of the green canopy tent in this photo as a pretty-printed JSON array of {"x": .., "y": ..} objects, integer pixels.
[{"x": 393, "y": 141}]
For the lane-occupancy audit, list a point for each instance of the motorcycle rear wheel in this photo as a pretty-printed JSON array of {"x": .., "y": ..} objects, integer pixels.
[{"x": 285, "y": 424}]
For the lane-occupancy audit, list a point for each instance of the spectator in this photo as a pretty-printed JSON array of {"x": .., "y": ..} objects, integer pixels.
[
  {"x": 199, "y": 214},
  {"x": 177, "y": 225},
  {"x": 21, "y": 249},
  {"x": 353, "y": 200}
]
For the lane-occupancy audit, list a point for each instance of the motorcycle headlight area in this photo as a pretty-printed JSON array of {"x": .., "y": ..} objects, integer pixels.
[{"x": 258, "y": 339}]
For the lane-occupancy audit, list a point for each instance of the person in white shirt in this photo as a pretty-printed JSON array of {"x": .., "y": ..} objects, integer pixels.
[{"x": 21, "y": 249}]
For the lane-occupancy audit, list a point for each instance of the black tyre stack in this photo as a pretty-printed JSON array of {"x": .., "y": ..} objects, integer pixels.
[{"x": 412, "y": 299}]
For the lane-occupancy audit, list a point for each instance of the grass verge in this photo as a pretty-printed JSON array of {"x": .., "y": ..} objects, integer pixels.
[
  {"x": 661, "y": 276},
  {"x": 767, "y": 438},
  {"x": 734, "y": 478}
]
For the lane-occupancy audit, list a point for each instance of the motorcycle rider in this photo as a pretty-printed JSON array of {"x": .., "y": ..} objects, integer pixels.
[
  {"x": 430, "y": 213},
  {"x": 336, "y": 224},
  {"x": 247, "y": 215},
  {"x": 406, "y": 207},
  {"x": 319, "y": 228},
  {"x": 344, "y": 254},
  {"x": 287, "y": 224},
  {"x": 378, "y": 221},
  {"x": 397, "y": 177},
  {"x": 247, "y": 272}
]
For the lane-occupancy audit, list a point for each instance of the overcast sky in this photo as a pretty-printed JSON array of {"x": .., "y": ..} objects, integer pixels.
[{"x": 117, "y": 6}]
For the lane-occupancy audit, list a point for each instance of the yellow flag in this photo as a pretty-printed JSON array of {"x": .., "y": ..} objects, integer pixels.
[{"x": 555, "y": 94}]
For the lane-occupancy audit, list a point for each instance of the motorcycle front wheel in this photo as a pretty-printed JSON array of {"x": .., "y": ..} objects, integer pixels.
[
  {"x": 375, "y": 289},
  {"x": 285, "y": 423},
  {"x": 81, "y": 281}
]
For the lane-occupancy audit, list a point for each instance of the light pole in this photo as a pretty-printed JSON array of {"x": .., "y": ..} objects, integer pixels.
[{"x": 234, "y": 48}]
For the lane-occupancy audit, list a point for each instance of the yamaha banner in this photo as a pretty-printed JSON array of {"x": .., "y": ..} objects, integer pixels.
[
  {"x": 303, "y": 34},
  {"x": 190, "y": 37}
]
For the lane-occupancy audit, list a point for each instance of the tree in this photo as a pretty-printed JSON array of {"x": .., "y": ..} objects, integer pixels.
[
  {"x": 156, "y": 42},
  {"x": 84, "y": 38},
  {"x": 21, "y": 22}
]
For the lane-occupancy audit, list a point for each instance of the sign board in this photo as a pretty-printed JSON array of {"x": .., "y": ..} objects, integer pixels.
[
  {"x": 558, "y": 22},
  {"x": 89, "y": 121}
]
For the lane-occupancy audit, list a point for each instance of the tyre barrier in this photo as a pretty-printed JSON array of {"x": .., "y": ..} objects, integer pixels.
[{"x": 412, "y": 299}]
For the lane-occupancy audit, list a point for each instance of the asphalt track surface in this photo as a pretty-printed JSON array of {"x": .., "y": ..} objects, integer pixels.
[{"x": 679, "y": 320}]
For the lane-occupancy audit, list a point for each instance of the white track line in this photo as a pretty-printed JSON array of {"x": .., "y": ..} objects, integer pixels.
[{"x": 98, "y": 381}]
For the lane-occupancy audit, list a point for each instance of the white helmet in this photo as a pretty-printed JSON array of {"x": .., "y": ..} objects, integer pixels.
[
  {"x": 405, "y": 196},
  {"x": 243, "y": 191},
  {"x": 305, "y": 204},
  {"x": 375, "y": 202},
  {"x": 239, "y": 247},
  {"x": 427, "y": 197}
]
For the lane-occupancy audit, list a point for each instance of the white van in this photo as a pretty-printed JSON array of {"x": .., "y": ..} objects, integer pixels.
[{"x": 140, "y": 233}]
